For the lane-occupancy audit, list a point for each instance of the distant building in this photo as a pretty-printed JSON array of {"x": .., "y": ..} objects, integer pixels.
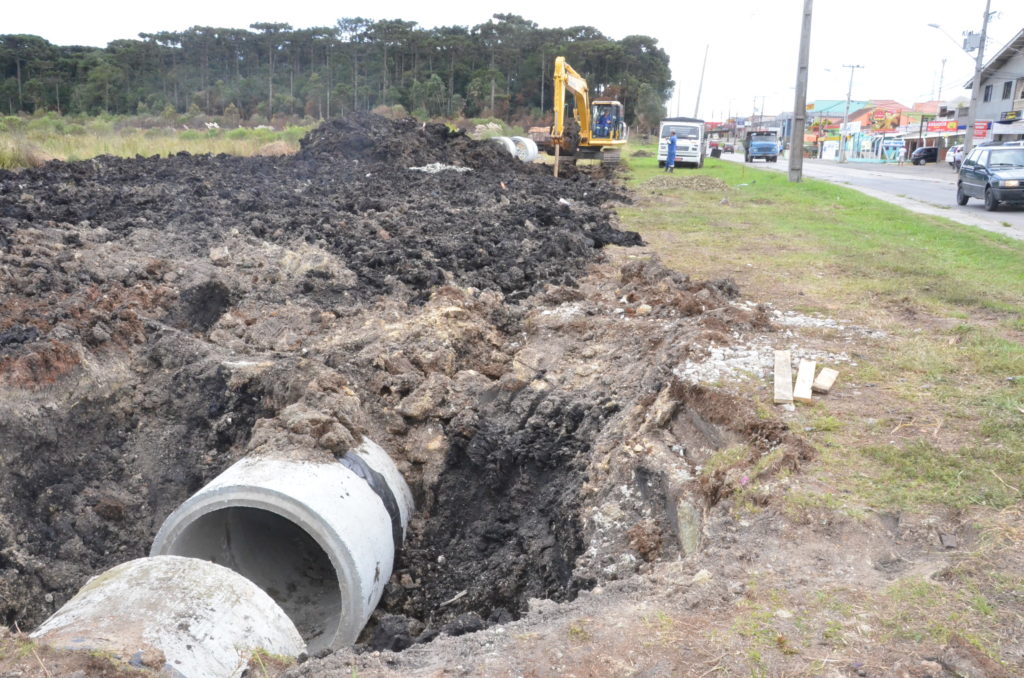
[
  {"x": 928, "y": 107},
  {"x": 999, "y": 112},
  {"x": 833, "y": 108}
]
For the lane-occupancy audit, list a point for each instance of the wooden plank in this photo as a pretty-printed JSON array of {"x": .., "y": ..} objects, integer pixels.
[
  {"x": 827, "y": 377},
  {"x": 783, "y": 378},
  {"x": 804, "y": 377}
]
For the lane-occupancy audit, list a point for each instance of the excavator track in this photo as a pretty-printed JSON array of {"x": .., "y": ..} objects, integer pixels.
[{"x": 611, "y": 157}]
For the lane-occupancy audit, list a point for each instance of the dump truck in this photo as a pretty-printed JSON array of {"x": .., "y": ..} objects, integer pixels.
[{"x": 762, "y": 143}]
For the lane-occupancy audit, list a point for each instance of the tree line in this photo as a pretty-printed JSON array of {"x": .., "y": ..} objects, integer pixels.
[{"x": 501, "y": 68}]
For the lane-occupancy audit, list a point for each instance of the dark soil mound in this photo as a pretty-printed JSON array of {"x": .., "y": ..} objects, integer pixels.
[
  {"x": 502, "y": 226},
  {"x": 403, "y": 143},
  {"x": 520, "y": 467}
]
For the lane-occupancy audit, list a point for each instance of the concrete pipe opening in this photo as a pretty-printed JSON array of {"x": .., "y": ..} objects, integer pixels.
[
  {"x": 276, "y": 555},
  {"x": 526, "y": 148},
  {"x": 318, "y": 537}
]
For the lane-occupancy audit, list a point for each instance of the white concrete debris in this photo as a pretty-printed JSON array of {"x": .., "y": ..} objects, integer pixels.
[
  {"x": 754, "y": 359},
  {"x": 435, "y": 167}
]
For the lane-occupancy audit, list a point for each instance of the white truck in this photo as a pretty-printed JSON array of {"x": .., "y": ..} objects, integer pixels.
[{"x": 689, "y": 144}]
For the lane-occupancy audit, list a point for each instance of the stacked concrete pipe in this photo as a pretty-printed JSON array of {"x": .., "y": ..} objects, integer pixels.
[{"x": 318, "y": 538}]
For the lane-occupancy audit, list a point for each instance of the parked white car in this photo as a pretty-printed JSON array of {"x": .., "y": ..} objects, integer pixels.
[{"x": 951, "y": 153}]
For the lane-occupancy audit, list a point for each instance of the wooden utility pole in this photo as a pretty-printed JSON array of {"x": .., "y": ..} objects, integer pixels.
[{"x": 796, "y": 137}]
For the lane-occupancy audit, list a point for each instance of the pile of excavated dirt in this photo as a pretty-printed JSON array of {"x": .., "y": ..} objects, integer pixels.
[{"x": 163, "y": 318}]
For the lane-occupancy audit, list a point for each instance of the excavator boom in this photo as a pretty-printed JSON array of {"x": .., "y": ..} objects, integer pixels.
[{"x": 566, "y": 78}]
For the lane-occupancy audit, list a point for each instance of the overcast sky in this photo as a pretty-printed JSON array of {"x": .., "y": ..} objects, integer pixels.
[{"x": 752, "y": 44}]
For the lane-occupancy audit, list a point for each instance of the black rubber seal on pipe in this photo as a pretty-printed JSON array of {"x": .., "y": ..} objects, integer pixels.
[{"x": 381, "y": 488}]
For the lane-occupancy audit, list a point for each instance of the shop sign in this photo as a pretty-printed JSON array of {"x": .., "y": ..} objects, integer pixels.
[
  {"x": 981, "y": 128},
  {"x": 942, "y": 125},
  {"x": 1010, "y": 115}
]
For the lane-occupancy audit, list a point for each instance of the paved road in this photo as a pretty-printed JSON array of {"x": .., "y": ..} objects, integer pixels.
[{"x": 929, "y": 189}]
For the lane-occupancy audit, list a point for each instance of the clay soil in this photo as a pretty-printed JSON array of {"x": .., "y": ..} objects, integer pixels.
[{"x": 494, "y": 329}]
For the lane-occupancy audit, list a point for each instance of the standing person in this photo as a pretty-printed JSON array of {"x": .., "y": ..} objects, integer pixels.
[
  {"x": 670, "y": 155},
  {"x": 958, "y": 157},
  {"x": 901, "y": 155}
]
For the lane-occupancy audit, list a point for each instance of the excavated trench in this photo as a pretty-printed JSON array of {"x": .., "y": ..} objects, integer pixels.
[{"x": 164, "y": 318}]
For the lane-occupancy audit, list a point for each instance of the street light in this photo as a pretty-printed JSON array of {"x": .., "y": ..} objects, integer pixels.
[
  {"x": 951, "y": 38},
  {"x": 846, "y": 115}
]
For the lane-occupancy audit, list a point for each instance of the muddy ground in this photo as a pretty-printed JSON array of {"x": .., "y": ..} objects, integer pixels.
[{"x": 515, "y": 350}]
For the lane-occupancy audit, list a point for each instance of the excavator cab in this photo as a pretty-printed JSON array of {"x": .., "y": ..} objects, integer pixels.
[{"x": 607, "y": 120}]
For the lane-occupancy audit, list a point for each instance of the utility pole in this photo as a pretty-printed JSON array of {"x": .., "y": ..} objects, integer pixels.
[
  {"x": 846, "y": 114},
  {"x": 701, "y": 85},
  {"x": 942, "y": 72},
  {"x": 796, "y": 138},
  {"x": 728, "y": 117},
  {"x": 976, "y": 84}
]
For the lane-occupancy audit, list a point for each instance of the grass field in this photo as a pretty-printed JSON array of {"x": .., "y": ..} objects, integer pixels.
[
  {"x": 949, "y": 378},
  {"x": 28, "y": 142}
]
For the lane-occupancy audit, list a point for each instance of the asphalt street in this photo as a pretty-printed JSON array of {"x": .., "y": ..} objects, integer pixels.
[{"x": 929, "y": 189}]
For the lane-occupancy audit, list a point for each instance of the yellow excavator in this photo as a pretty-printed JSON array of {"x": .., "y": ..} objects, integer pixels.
[{"x": 596, "y": 129}]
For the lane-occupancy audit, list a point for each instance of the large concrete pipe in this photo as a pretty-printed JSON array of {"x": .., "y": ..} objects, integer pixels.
[
  {"x": 526, "y": 148},
  {"x": 318, "y": 536},
  {"x": 182, "y": 616}
]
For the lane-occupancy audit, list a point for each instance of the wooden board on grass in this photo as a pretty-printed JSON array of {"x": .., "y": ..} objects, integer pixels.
[
  {"x": 783, "y": 378},
  {"x": 827, "y": 377},
  {"x": 804, "y": 377}
]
